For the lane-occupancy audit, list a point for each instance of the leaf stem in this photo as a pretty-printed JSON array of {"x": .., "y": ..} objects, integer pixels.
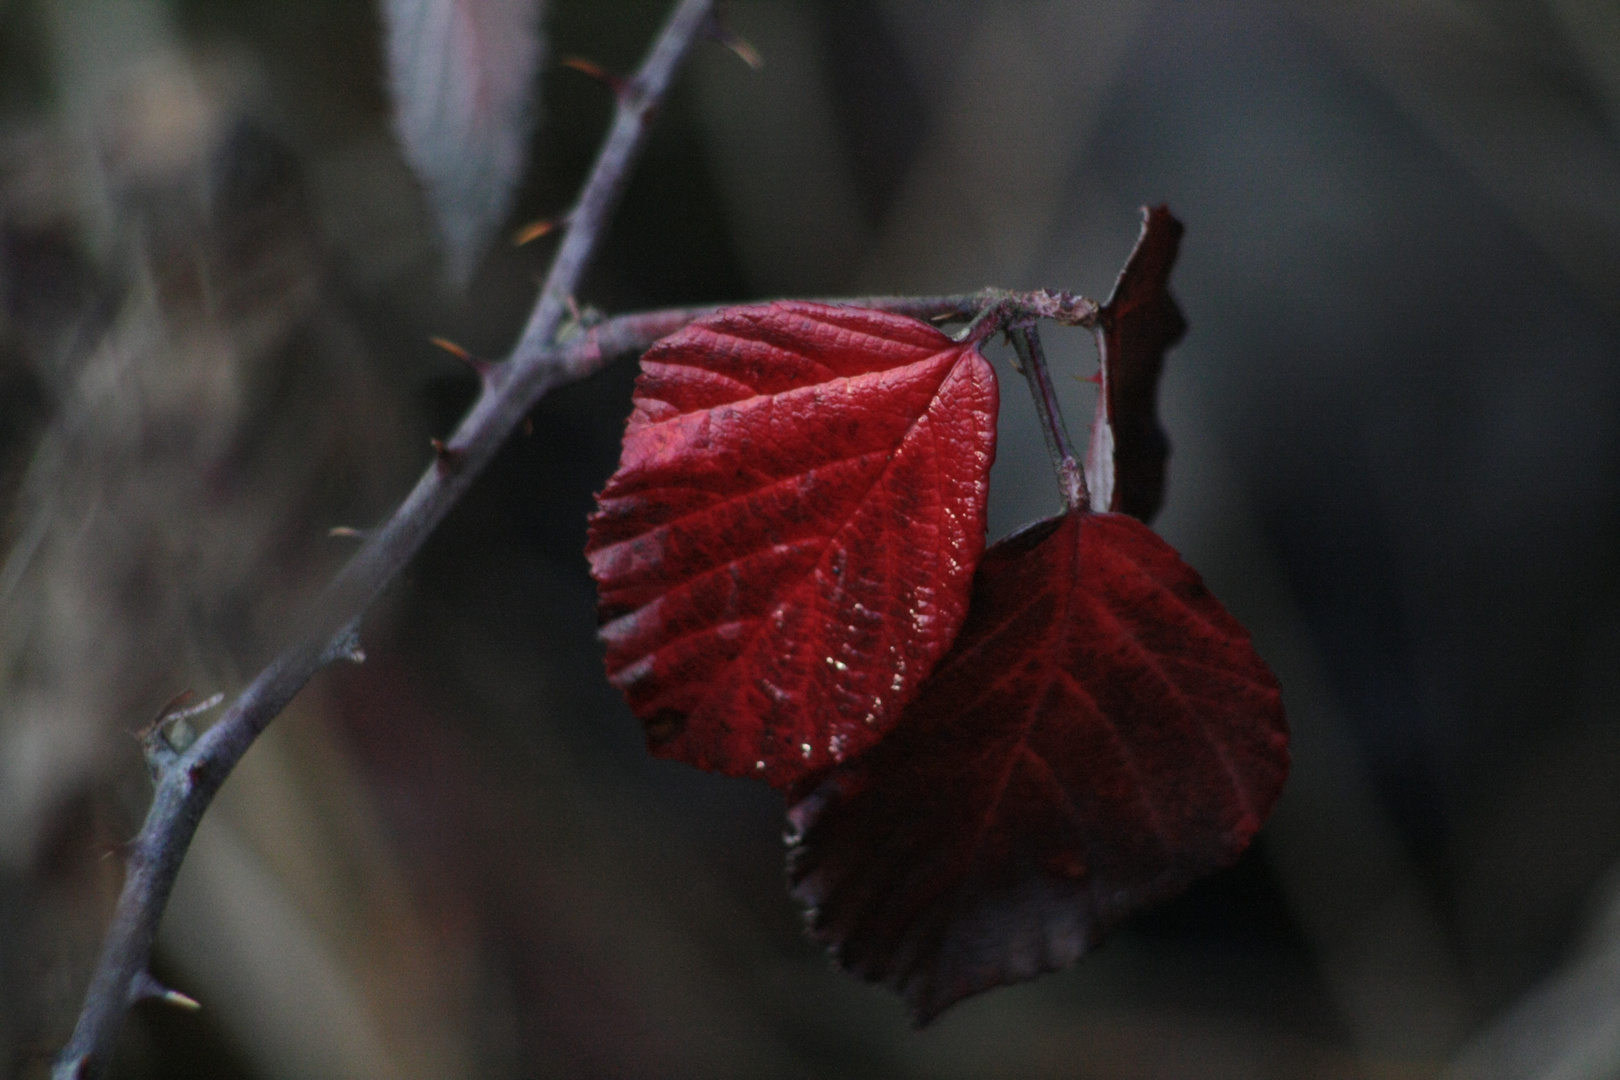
[
  {"x": 1026, "y": 342},
  {"x": 186, "y": 782}
]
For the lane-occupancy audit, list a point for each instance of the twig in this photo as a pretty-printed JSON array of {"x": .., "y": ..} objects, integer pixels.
[
  {"x": 1026, "y": 342},
  {"x": 584, "y": 353},
  {"x": 187, "y": 780}
]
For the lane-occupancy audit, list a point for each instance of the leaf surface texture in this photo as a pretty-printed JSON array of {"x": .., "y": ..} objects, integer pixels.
[
  {"x": 1101, "y": 734},
  {"x": 787, "y": 546}
]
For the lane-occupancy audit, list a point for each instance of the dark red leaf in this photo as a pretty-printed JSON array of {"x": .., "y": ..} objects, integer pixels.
[
  {"x": 1101, "y": 734},
  {"x": 1126, "y": 461},
  {"x": 787, "y": 547}
]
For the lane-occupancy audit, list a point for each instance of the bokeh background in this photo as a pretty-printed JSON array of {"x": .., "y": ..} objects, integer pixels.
[{"x": 1396, "y": 422}]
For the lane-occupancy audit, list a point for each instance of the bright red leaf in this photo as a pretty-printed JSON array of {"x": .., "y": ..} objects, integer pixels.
[
  {"x": 1125, "y": 465},
  {"x": 1101, "y": 734},
  {"x": 787, "y": 546}
]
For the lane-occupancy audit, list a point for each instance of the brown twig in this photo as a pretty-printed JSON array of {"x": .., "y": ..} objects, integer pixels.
[{"x": 187, "y": 779}]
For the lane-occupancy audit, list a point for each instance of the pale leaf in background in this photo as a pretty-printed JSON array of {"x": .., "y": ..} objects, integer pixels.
[{"x": 462, "y": 74}]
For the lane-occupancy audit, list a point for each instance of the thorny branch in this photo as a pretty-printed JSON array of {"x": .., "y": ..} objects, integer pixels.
[
  {"x": 188, "y": 778},
  {"x": 188, "y": 770}
]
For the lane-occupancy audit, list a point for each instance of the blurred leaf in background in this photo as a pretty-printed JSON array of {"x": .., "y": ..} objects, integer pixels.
[{"x": 464, "y": 75}]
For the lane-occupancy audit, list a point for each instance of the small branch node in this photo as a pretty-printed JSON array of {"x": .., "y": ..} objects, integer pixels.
[
  {"x": 580, "y": 319},
  {"x": 179, "y": 733},
  {"x": 160, "y": 755},
  {"x": 172, "y": 706},
  {"x": 172, "y": 732},
  {"x": 1072, "y": 479},
  {"x": 1064, "y": 308},
  {"x": 447, "y": 456},
  {"x": 145, "y": 988},
  {"x": 992, "y": 317},
  {"x": 345, "y": 645}
]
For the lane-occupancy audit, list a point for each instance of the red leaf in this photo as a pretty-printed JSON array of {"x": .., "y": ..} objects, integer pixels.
[
  {"x": 787, "y": 547},
  {"x": 1101, "y": 734},
  {"x": 1126, "y": 461}
]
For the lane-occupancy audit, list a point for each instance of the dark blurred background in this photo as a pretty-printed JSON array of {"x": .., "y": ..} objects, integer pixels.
[{"x": 1396, "y": 422}]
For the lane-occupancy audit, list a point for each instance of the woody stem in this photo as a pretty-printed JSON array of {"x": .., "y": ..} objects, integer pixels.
[{"x": 1026, "y": 342}]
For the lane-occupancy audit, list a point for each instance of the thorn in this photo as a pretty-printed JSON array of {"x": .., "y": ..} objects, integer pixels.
[
  {"x": 579, "y": 320},
  {"x": 528, "y": 426},
  {"x": 181, "y": 1001},
  {"x": 448, "y": 456},
  {"x": 347, "y": 532},
  {"x": 534, "y": 230},
  {"x": 145, "y": 988},
  {"x": 1095, "y": 380},
  {"x": 479, "y": 367},
  {"x": 723, "y": 35},
  {"x": 619, "y": 86},
  {"x": 452, "y": 348}
]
